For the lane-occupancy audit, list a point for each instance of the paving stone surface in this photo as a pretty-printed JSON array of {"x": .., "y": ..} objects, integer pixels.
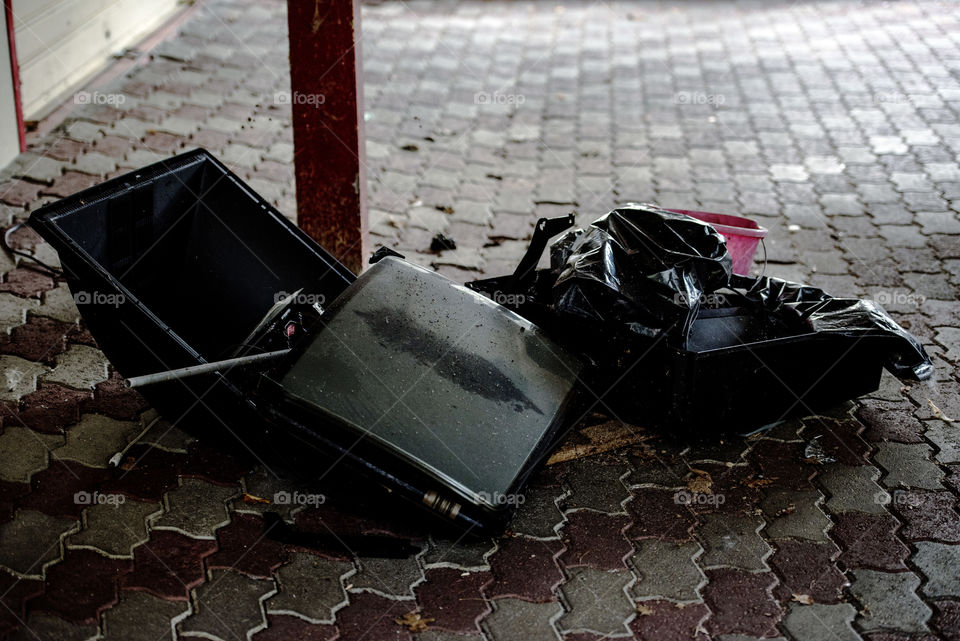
[
  {"x": 817, "y": 621},
  {"x": 519, "y": 619},
  {"x": 310, "y": 587},
  {"x": 598, "y": 603},
  {"x": 834, "y": 125},
  {"x": 229, "y": 606},
  {"x": 889, "y": 601},
  {"x": 31, "y": 541},
  {"x": 667, "y": 570}
]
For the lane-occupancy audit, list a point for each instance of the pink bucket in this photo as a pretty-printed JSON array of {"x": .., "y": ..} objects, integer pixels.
[{"x": 742, "y": 235}]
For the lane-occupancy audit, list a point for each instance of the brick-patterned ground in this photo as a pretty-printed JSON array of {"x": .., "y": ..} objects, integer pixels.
[{"x": 834, "y": 124}]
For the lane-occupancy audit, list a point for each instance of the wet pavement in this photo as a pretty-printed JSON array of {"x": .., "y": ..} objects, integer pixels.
[{"x": 833, "y": 124}]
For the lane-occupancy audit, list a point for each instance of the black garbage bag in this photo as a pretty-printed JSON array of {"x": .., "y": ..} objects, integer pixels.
[
  {"x": 639, "y": 265},
  {"x": 821, "y": 313},
  {"x": 673, "y": 337}
]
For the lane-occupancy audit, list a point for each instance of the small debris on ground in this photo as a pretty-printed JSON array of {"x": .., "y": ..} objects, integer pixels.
[
  {"x": 414, "y": 621},
  {"x": 604, "y": 437},
  {"x": 938, "y": 413},
  {"x": 700, "y": 482},
  {"x": 814, "y": 453},
  {"x": 441, "y": 243}
]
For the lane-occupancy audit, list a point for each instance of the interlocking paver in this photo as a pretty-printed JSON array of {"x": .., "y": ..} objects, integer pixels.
[
  {"x": 19, "y": 377},
  {"x": 114, "y": 528},
  {"x": 740, "y": 602},
  {"x": 229, "y": 607},
  {"x": 597, "y": 602},
  {"x": 95, "y": 439},
  {"x": 869, "y": 541},
  {"x": 889, "y": 601},
  {"x": 24, "y": 452},
  {"x": 792, "y": 514},
  {"x": 853, "y": 488},
  {"x": 908, "y": 465},
  {"x": 526, "y": 568},
  {"x": 816, "y": 621},
  {"x": 928, "y": 515},
  {"x": 310, "y": 587},
  {"x": 539, "y": 515},
  {"x": 518, "y": 619},
  {"x": 940, "y": 563},
  {"x": 46, "y": 626},
  {"x": 668, "y": 570},
  {"x": 595, "y": 540},
  {"x": 453, "y": 599},
  {"x": 31, "y": 541},
  {"x": 733, "y": 541},
  {"x": 169, "y": 565},
  {"x": 80, "y": 367},
  {"x": 59, "y": 304},
  {"x": 196, "y": 509},
  {"x": 807, "y": 568},
  {"x": 139, "y": 616},
  {"x": 390, "y": 577},
  {"x": 81, "y": 586},
  {"x": 459, "y": 554}
]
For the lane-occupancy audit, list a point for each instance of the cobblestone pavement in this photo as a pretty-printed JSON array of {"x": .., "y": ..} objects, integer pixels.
[{"x": 834, "y": 124}]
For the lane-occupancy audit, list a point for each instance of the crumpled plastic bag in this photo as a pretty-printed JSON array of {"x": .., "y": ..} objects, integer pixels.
[
  {"x": 818, "y": 312},
  {"x": 639, "y": 265}
]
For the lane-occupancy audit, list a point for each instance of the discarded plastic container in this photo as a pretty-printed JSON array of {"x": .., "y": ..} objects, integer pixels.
[
  {"x": 742, "y": 234},
  {"x": 430, "y": 390},
  {"x": 174, "y": 265}
]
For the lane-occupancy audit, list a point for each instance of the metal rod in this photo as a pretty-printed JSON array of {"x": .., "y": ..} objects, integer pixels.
[{"x": 205, "y": 368}]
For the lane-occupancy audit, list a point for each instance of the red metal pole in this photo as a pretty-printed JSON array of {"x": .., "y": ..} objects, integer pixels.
[
  {"x": 15, "y": 74},
  {"x": 326, "y": 93}
]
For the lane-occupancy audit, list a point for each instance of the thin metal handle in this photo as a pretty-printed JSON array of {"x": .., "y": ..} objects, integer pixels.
[{"x": 205, "y": 368}]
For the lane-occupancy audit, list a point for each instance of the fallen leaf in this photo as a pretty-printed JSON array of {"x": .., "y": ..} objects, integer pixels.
[
  {"x": 938, "y": 413},
  {"x": 701, "y": 482},
  {"x": 644, "y": 610},
  {"x": 250, "y": 498},
  {"x": 755, "y": 483},
  {"x": 805, "y": 599},
  {"x": 128, "y": 464},
  {"x": 607, "y": 436},
  {"x": 414, "y": 622}
]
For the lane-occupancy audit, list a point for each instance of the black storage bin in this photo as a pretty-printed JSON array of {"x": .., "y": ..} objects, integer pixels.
[
  {"x": 734, "y": 377},
  {"x": 186, "y": 241}
]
